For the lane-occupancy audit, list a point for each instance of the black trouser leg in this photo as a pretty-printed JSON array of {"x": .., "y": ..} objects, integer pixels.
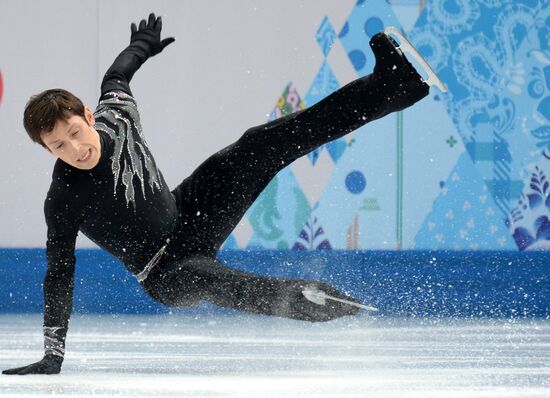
[
  {"x": 219, "y": 192},
  {"x": 187, "y": 281}
]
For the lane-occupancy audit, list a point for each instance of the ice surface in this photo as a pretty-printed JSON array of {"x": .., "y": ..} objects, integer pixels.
[{"x": 254, "y": 356}]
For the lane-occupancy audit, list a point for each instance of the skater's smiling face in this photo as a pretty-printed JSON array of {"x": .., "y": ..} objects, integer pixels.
[{"x": 74, "y": 140}]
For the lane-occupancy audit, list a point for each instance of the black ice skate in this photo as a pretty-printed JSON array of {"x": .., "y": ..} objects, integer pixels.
[
  {"x": 406, "y": 46},
  {"x": 320, "y": 297},
  {"x": 319, "y": 302},
  {"x": 398, "y": 83}
]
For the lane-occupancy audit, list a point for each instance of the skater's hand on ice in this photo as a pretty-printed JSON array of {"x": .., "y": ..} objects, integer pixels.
[
  {"x": 147, "y": 35},
  {"x": 50, "y": 364}
]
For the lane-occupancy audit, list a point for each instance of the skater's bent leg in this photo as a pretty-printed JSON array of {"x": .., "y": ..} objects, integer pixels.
[
  {"x": 249, "y": 292},
  {"x": 197, "y": 278},
  {"x": 174, "y": 285}
]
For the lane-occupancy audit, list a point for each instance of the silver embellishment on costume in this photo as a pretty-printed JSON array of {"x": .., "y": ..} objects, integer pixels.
[
  {"x": 131, "y": 156},
  {"x": 151, "y": 264},
  {"x": 53, "y": 343}
]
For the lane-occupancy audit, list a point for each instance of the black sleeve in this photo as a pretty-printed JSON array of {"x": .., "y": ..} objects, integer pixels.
[
  {"x": 58, "y": 298},
  {"x": 118, "y": 76},
  {"x": 59, "y": 279},
  {"x": 145, "y": 42},
  {"x": 58, "y": 285}
]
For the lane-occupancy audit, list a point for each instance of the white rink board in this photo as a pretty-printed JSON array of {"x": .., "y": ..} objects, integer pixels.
[{"x": 254, "y": 356}]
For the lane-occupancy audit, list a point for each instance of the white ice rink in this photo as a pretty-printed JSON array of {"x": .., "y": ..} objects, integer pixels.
[{"x": 253, "y": 356}]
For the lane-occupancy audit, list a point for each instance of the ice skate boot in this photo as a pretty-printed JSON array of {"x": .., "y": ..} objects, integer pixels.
[
  {"x": 398, "y": 84},
  {"x": 406, "y": 46},
  {"x": 321, "y": 297},
  {"x": 318, "y": 302}
]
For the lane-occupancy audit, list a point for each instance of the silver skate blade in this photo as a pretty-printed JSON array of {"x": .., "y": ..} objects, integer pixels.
[
  {"x": 406, "y": 46},
  {"x": 319, "y": 297}
]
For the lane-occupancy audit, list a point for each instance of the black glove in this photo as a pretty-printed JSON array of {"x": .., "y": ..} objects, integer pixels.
[
  {"x": 49, "y": 365},
  {"x": 147, "y": 36}
]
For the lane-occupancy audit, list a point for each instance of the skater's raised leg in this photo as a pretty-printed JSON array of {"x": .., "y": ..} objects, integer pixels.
[{"x": 226, "y": 184}]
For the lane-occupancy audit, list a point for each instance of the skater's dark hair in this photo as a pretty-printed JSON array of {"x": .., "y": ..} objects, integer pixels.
[{"x": 45, "y": 109}]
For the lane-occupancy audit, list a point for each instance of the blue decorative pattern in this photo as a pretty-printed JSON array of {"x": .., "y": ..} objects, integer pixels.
[
  {"x": 475, "y": 161},
  {"x": 464, "y": 217},
  {"x": 365, "y": 20},
  {"x": 312, "y": 237},
  {"x": 530, "y": 220},
  {"x": 489, "y": 100},
  {"x": 326, "y": 35}
]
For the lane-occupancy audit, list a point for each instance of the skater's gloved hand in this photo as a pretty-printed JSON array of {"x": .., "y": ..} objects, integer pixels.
[
  {"x": 147, "y": 36},
  {"x": 49, "y": 365}
]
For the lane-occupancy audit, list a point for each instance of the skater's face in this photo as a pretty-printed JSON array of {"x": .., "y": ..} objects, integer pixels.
[{"x": 75, "y": 141}]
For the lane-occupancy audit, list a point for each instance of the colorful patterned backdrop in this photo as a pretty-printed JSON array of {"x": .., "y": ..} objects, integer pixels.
[{"x": 466, "y": 170}]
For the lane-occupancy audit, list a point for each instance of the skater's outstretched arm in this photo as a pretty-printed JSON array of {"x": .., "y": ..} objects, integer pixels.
[
  {"x": 145, "y": 42},
  {"x": 63, "y": 224}
]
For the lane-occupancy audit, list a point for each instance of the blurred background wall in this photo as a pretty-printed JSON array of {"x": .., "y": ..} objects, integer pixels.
[
  {"x": 461, "y": 177},
  {"x": 466, "y": 170}
]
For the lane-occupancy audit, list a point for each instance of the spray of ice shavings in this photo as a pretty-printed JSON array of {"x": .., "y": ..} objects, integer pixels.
[{"x": 131, "y": 156}]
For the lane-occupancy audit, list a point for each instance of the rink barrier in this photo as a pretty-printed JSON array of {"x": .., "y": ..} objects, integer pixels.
[{"x": 406, "y": 283}]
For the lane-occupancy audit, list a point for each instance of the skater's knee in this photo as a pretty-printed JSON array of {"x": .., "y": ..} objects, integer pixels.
[
  {"x": 184, "y": 301},
  {"x": 174, "y": 291},
  {"x": 176, "y": 299}
]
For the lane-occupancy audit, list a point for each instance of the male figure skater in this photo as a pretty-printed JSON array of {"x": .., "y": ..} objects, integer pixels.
[{"x": 106, "y": 184}]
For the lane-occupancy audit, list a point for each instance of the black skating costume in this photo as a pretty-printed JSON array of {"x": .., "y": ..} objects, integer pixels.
[{"x": 169, "y": 238}]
